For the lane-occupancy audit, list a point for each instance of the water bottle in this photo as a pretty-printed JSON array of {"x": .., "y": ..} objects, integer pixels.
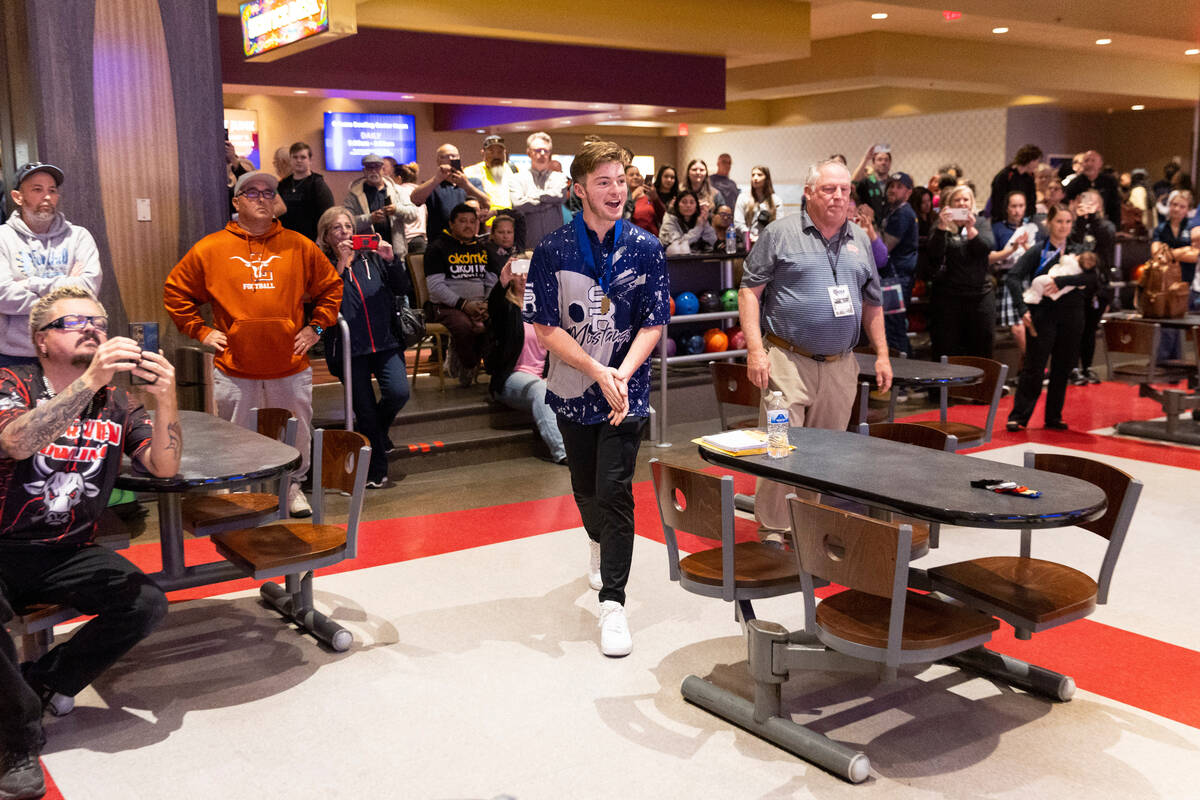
[
  {"x": 777, "y": 426},
  {"x": 730, "y": 240}
]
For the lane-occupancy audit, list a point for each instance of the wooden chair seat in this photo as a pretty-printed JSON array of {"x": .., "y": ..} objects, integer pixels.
[
  {"x": 202, "y": 510},
  {"x": 965, "y": 433},
  {"x": 1029, "y": 588},
  {"x": 273, "y": 548},
  {"x": 758, "y": 566},
  {"x": 929, "y": 623}
]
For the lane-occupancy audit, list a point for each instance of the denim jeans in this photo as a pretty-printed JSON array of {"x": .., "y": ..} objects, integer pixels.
[
  {"x": 372, "y": 417},
  {"x": 527, "y": 392}
]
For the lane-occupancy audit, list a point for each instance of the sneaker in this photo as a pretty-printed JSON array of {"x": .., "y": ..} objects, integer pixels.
[
  {"x": 615, "y": 640},
  {"x": 1078, "y": 378},
  {"x": 594, "y": 579},
  {"x": 22, "y": 777},
  {"x": 1012, "y": 426},
  {"x": 297, "y": 503},
  {"x": 1091, "y": 376},
  {"x": 377, "y": 483},
  {"x": 390, "y": 448}
]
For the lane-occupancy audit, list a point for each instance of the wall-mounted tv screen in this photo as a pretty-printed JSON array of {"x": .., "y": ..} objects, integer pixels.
[{"x": 350, "y": 136}]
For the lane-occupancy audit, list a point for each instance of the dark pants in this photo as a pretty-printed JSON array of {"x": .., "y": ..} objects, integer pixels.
[
  {"x": 373, "y": 418},
  {"x": 417, "y": 245},
  {"x": 93, "y": 580},
  {"x": 1094, "y": 309},
  {"x": 895, "y": 326},
  {"x": 466, "y": 343},
  {"x": 1058, "y": 327},
  {"x": 963, "y": 325},
  {"x": 602, "y": 458}
]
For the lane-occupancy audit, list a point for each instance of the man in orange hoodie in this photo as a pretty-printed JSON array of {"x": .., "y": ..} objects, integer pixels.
[{"x": 256, "y": 275}]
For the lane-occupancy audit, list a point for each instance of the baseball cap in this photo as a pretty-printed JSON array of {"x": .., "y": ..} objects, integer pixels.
[
  {"x": 268, "y": 177},
  {"x": 37, "y": 166},
  {"x": 372, "y": 158},
  {"x": 901, "y": 177},
  {"x": 492, "y": 139}
]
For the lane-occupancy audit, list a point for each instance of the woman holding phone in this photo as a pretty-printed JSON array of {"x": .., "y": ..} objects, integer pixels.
[
  {"x": 688, "y": 223},
  {"x": 962, "y": 295},
  {"x": 371, "y": 283}
]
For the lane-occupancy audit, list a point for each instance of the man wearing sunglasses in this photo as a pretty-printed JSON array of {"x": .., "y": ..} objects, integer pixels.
[
  {"x": 39, "y": 251},
  {"x": 256, "y": 276},
  {"x": 64, "y": 425}
]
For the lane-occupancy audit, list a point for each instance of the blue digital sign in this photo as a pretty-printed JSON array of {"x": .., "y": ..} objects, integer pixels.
[{"x": 350, "y": 136}]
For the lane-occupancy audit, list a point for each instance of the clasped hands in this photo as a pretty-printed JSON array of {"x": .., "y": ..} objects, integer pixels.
[{"x": 616, "y": 392}]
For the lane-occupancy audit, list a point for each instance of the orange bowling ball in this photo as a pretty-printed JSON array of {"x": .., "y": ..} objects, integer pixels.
[{"x": 715, "y": 341}]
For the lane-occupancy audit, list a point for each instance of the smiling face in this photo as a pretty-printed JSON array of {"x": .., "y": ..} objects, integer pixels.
[
  {"x": 697, "y": 173},
  {"x": 37, "y": 197},
  {"x": 882, "y": 163},
  {"x": 603, "y": 192},
  {"x": 633, "y": 177},
  {"x": 687, "y": 206}
]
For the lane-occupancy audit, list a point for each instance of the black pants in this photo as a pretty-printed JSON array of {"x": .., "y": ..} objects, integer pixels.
[
  {"x": 1059, "y": 326},
  {"x": 91, "y": 579},
  {"x": 373, "y": 417},
  {"x": 602, "y": 458},
  {"x": 1093, "y": 311},
  {"x": 963, "y": 325}
]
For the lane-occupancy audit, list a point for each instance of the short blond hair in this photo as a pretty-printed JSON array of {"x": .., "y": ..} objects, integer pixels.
[{"x": 41, "y": 308}]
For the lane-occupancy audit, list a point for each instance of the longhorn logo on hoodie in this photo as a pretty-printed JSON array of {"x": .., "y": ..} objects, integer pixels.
[{"x": 263, "y": 277}]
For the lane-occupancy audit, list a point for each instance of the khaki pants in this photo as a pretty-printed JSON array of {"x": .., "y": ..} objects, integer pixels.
[
  {"x": 819, "y": 394},
  {"x": 237, "y": 397}
]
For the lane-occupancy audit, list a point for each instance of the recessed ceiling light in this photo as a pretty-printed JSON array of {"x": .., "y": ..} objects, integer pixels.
[
  {"x": 879, "y": 15},
  {"x": 480, "y": 130},
  {"x": 408, "y": 97},
  {"x": 672, "y": 110},
  {"x": 506, "y": 102},
  {"x": 1195, "y": 51},
  {"x": 595, "y": 105},
  {"x": 713, "y": 129},
  {"x": 565, "y": 122},
  {"x": 299, "y": 91},
  {"x": 1137, "y": 107},
  {"x": 1103, "y": 41},
  {"x": 999, "y": 30}
]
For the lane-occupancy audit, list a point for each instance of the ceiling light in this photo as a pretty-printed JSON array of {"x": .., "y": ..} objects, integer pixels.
[
  {"x": 673, "y": 110},
  {"x": 480, "y": 130},
  {"x": 595, "y": 105},
  {"x": 1103, "y": 41},
  {"x": 632, "y": 123},
  {"x": 999, "y": 30},
  {"x": 506, "y": 102},
  {"x": 299, "y": 91},
  {"x": 565, "y": 122},
  {"x": 408, "y": 97},
  {"x": 1137, "y": 107},
  {"x": 1195, "y": 51},
  {"x": 879, "y": 15},
  {"x": 713, "y": 129}
]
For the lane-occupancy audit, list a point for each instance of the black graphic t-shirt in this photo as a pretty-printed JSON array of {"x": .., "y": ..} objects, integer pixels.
[{"x": 56, "y": 496}]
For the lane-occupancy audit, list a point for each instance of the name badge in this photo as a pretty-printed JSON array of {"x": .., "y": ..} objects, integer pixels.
[{"x": 839, "y": 297}]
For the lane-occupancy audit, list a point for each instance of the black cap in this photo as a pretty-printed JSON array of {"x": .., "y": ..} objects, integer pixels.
[
  {"x": 901, "y": 177},
  {"x": 37, "y": 166},
  {"x": 493, "y": 138}
]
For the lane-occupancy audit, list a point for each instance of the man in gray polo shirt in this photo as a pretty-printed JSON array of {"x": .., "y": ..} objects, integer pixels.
[{"x": 809, "y": 285}]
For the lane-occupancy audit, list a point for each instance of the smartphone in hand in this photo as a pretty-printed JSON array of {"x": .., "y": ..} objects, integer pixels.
[
  {"x": 146, "y": 335},
  {"x": 456, "y": 164}
]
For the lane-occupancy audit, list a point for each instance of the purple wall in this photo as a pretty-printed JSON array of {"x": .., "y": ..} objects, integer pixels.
[{"x": 404, "y": 61}]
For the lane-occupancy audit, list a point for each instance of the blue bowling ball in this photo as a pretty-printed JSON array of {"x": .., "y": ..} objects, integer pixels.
[
  {"x": 686, "y": 303},
  {"x": 695, "y": 344}
]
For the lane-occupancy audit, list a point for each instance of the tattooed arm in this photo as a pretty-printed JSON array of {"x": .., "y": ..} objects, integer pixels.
[{"x": 37, "y": 427}]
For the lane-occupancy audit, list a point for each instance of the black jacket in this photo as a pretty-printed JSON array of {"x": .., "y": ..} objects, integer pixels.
[
  {"x": 1026, "y": 269},
  {"x": 507, "y": 334},
  {"x": 369, "y": 288}
]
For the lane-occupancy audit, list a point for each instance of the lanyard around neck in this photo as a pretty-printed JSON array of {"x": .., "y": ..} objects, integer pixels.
[
  {"x": 589, "y": 259},
  {"x": 1048, "y": 255}
]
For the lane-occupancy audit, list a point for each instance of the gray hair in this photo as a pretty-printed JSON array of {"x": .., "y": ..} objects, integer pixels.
[
  {"x": 814, "y": 172},
  {"x": 533, "y": 137}
]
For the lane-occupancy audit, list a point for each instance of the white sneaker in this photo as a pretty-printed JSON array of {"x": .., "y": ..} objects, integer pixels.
[
  {"x": 297, "y": 503},
  {"x": 615, "y": 640},
  {"x": 594, "y": 579}
]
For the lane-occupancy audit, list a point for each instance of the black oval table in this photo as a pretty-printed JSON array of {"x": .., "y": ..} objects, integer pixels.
[
  {"x": 216, "y": 455},
  {"x": 917, "y": 482},
  {"x": 917, "y": 373}
]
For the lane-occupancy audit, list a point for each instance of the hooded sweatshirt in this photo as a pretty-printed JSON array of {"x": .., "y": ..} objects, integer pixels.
[
  {"x": 256, "y": 286},
  {"x": 33, "y": 264}
]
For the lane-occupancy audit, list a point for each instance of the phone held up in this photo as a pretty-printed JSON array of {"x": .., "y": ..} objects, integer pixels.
[
  {"x": 365, "y": 241},
  {"x": 146, "y": 335},
  {"x": 456, "y": 164}
]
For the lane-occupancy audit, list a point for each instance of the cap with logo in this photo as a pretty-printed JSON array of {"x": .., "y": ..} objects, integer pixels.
[
  {"x": 37, "y": 166},
  {"x": 260, "y": 175},
  {"x": 902, "y": 178},
  {"x": 372, "y": 158},
  {"x": 492, "y": 139}
]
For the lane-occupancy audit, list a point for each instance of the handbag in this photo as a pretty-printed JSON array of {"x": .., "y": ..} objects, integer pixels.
[{"x": 408, "y": 323}]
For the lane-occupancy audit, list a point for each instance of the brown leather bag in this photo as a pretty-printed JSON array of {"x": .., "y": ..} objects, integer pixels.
[{"x": 1162, "y": 294}]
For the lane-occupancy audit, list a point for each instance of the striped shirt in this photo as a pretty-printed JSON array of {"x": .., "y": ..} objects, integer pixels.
[{"x": 797, "y": 267}]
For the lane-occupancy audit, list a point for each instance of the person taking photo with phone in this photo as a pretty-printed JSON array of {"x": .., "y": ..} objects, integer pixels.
[
  {"x": 963, "y": 292},
  {"x": 446, "y": 188}
]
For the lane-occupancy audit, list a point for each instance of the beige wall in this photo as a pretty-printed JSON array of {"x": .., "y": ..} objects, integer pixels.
[{"x": 286, "y": 119}]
